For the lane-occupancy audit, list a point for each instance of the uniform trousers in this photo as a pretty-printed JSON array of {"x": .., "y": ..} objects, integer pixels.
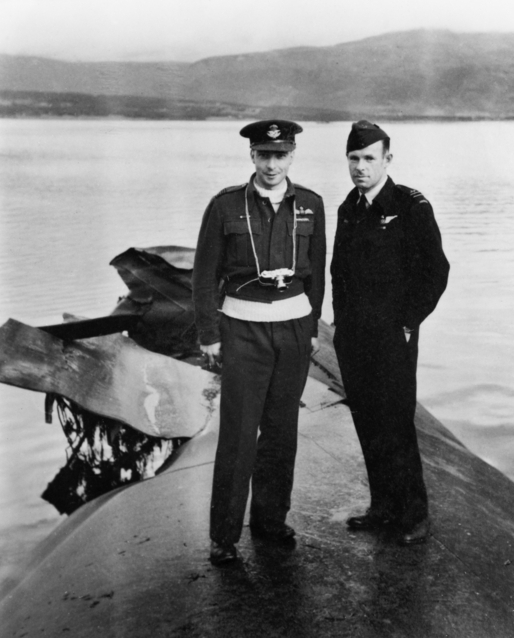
[
  {"x": 378, "y": 368},
  {"x": 264, "y": 370}
]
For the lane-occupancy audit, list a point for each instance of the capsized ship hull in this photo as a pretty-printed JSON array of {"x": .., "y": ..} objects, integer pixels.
[{"x": 134, "y": 562}]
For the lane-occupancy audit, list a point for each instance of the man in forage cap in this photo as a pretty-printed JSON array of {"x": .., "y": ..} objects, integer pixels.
[
  {"x": 258, "y": 285},
  {"x": 388, "y": 273}
]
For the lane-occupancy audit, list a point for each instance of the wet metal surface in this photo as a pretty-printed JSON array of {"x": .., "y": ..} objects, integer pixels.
[{"x": 135, "y": 563}]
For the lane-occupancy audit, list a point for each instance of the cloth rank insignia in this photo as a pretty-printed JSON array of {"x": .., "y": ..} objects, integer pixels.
[{"x": 416, "y": 195}]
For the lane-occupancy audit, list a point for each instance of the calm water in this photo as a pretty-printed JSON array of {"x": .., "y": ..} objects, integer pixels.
[{"x": 73, "y": 194}]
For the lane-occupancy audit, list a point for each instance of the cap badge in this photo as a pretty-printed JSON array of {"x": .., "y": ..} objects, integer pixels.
[{"x": 274, "y": 131}]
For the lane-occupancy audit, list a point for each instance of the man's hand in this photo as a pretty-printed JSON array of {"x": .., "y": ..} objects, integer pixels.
[
  {"x": 314, "y": 345},
  {"x": 212, "y": 352}
]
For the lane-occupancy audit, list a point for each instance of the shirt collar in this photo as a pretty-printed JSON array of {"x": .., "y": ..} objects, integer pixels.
[
  {"x": 276, "y": 195},
  {"x": 373, "y": 192},
  {"x": 290, "y": 188}
]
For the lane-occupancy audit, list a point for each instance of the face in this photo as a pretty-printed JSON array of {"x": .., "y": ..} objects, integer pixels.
[
  {"x": 368, "y": 165},
  {"x": 271, "y": 167}
]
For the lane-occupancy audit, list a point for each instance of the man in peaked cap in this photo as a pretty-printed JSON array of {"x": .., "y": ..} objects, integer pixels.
[
  {"x": 388, "y": 273},
  {"x": 258, "y": 285}
]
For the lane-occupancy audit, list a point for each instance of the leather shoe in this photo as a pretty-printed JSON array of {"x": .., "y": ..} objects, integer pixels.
[
  {"x": 367, "y": 521},
  {"x": 416, "y": 534},
  {"x": 278, "y": 532},
  {"x": 222, "y": 554}
]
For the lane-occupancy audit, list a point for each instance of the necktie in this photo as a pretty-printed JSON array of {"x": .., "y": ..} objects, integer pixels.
[{"x": 362, "y": 207}]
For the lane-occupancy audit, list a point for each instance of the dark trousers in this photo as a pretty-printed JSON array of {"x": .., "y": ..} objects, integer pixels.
[
  {"x": 378, "y": 368},
  {"x": 265, "y": 367}
]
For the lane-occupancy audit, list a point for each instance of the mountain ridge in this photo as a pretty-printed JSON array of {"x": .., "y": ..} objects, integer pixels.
[{"x": 421, "y": 73}]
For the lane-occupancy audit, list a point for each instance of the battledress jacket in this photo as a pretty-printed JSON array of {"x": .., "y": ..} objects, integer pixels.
[
  {"x": 389, "y": 266},
  {"x": 225, "y": 262}
]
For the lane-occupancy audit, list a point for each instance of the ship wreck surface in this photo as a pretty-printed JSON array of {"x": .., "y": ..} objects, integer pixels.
[{"x": 134, "y": 562}]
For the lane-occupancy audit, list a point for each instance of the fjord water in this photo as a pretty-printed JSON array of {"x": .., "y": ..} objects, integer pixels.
[{"x": 75, "y": 193}]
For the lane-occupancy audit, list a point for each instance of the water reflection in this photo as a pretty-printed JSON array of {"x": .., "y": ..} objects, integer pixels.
[
  {"x": 399, "y": 590},
  {"x": 101, "y": 456},
  {"x": 274, "y": 578}
]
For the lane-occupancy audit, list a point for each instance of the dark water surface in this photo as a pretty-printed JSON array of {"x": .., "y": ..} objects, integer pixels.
[{"x": 73, "y": 194}]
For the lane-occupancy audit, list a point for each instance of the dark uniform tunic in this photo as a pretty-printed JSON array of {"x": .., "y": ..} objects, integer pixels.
[
  {"x": 265, "y": 364},
  {"x": 388, "y": 272}
]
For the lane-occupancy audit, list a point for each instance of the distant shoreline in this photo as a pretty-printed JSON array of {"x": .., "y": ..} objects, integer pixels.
[
  {"x": 50, "y": 105},
  {"x": 416, "y": 75}
]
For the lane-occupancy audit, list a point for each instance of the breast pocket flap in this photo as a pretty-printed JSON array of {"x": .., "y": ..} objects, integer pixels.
[
  {"x": 303, "y": 227},
  {"x": 240, "y": 227}
]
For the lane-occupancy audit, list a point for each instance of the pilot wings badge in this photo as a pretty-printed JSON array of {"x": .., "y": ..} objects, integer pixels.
[
  {"x": 386, "y": 220},
  {"x": 273, "y": 132}
]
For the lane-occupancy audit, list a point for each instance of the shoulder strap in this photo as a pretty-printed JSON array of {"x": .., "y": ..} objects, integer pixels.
[{"x": 230, "y": 189}]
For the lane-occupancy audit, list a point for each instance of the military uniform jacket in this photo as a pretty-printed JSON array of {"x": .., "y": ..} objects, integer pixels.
[
  {"x": 224, "y": 253},
  {"x": 389, "y": 266}
]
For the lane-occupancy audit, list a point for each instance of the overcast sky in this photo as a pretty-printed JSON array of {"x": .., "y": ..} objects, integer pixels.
[{"x": 189, "y": 30}]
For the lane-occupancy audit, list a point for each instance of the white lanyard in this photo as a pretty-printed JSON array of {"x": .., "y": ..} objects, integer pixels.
[{"x": 295, "y": 224}]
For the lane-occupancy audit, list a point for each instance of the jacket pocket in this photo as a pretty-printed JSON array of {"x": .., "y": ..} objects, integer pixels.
[
  {"x": 304, "y": 231},
  {"x": 239, "y": 245}
]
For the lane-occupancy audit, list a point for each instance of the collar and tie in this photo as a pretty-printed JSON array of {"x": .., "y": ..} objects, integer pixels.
[{"x": 362, "y": 207}]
